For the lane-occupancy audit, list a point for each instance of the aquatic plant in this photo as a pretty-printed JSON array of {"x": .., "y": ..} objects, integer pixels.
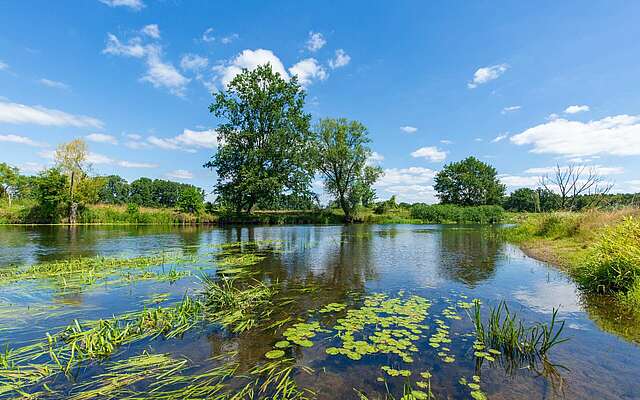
[{"x": 507, "y": 335}]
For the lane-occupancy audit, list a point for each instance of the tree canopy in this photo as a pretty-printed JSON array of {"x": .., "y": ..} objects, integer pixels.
[
  {"x": 263, "y": 139},
  {"x": 469, "y": 182},
  {"x": 341, "y": 153}
]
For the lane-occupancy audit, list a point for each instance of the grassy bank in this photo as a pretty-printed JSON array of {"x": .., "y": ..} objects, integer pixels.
[
  {"x": 26, "y": 213},
  {"x": 599, "y": 249}
]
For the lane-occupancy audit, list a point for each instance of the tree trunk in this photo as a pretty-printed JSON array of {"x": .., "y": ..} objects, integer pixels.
[{"x": 73, "y": 212}]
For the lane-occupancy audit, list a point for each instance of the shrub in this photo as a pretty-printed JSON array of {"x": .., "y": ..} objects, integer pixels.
[{"x": 442, "y": 213}]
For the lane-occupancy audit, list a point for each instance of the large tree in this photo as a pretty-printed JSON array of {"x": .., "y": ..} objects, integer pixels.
[
  {"x": 523, "y": 199},
  {"x": 71, "y": 159},
  {"x": 264, "y": 139},
  {"x": 341, "y": 154},
  {"x": 469, "y": 182}
]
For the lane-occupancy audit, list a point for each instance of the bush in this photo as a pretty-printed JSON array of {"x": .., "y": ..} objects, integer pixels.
[
  {"x": 613, "y": 264},
  {"x": 448, "y": 213}
]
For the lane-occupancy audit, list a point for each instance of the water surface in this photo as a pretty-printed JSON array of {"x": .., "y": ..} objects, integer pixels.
[{"x": 444, "y": 264}]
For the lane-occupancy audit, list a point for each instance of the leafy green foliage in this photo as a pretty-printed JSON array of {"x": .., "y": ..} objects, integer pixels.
[
  {"x": 447, "y": 213},
  {"x": 523, "y": 199},
  {"x": 114, "y": 191},
  {"x": 264, "y": 139},
  {"x": 341, "y": 154},
  {"x": 469, "y": 182},
  {"x": 191, "y": 199},
  {"x": 51, "y": 194},
  {"x": 8, "y": 181}
]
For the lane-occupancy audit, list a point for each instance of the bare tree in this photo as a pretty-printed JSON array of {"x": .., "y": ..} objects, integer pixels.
[{"x": 573, "y": 181}]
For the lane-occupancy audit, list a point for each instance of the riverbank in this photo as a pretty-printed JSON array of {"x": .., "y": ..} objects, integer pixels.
[{"x": 600, "y": 250}]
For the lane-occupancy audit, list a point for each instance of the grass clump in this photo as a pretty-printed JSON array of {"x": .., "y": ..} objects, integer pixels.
[
  {"x": 507, "y": 335},
  {"x": 613, "y": 263}
]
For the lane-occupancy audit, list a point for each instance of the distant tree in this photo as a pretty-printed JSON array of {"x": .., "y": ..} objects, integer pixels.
[
  {"x": 469, "y": 182},
  {"x": 166, "y": 193},
  {"x": 365, "y": 186},
  {"x": 114, "y": 191},
  {"x": 523, "y": 199},
  {"x": 264, "y": 139},
  {"x": 141, "y": 192},
  {"x": 191, "y": 200},
  {"x": 89, "y": 189},
  {"x": 549, "y": 201},
  {"x": 573, "y": 181},
  {"x": 71, "y": 159},
  {"x": 51, "y": 193},
  {"x": 9, "y": 181},
  {"x": 341, "y": 154}
]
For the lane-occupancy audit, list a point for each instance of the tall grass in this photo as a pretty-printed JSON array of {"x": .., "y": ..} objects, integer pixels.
[{"x": 449, "y": 213}]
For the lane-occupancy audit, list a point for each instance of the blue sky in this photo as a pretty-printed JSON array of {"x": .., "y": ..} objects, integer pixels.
[{"x": 520, "y": 85}]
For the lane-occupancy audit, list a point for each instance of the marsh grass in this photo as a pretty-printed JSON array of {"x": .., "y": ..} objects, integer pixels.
[{"x": 505, "y": 334}]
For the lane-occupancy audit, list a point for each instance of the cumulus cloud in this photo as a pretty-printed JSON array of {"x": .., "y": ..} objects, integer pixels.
[
  {"x": 101, "y": 138},
  {"x": 617, "y": 135},
  {"x": 96, "y": 158},
  {"x": 409, "y": 129},
  {"x": 601, "y": 170},
  {"x": 179, "y": 174},
  {"x": 21, "y": 140},
  {"x": 3, "y": 66},
  {"x": 340, "y": 59},
  {"x": 430, "y": 153},
  {"x": 249, "y": 59},
  {"x": 510, "y": 109},
  {"x": 54, "y": 84},
  {"x": 315, "y": 42},
  {"x": 151, "y": 30},
  {"x": 576, "y": 109},
  {"x": 307, "y": 71},
  {"x": 500, "y": 138},
  {"x": 486, "y": 74},
  {"x": 160, "y": 74},
  {"x": 445, "y": 141},
  {"x": 413, "y": 184},
  {"x": 14, "y": 113},
  {"x": 188, "y": 140},
  {"x": 518, "y": 181},
  {"x": 132, "y": 4}
]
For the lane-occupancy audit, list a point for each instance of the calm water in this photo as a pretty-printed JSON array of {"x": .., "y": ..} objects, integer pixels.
[{"x": 344, "y": 262}]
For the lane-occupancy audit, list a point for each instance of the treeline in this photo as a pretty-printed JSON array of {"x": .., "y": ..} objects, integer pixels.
[
  {"x": 545, "y": 200},
  {"x": 65, "y": 191}
]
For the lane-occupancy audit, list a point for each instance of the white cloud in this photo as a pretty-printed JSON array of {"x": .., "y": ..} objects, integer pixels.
[
  {"x": 95, "y": 158},
  {"x": 510, "y": 109},
  {"x": 316, "y": 41},
  {"x": 159, "y": 73},
  {"x": 31, "y": 167},
  {"x": 162, "y": 74},
  {"x": 308, "y": 70},
  {"x": 133, "y": 48},
  {"x": 21, "y": 140},
  {"x": 101, "y": 138},
  {"x": 413, "y": 184},
  {"x": 249, "y": 59},
  {"x": 499, "y": 138},
  {"x": 576, "y": 109},
  {"x": 132, "y": 4},
  {"x": 3, "y": 65},
  {"x": 634, "y": 185},
  {"x": 229, "y": 38},
  {"x": 601, "y": 170},
  {"x": 54, "y": 84},
  {"x": 207, "y": 36},
  {"x": 486, "y": 74},
  {"x": 341, "y": 59},
  {"x": 445, "y": 141},
  {"x": 188, "y": 140},
  {"x": 430, "y": 153},
  {"x": 133, "y": 136},
  {"x": 617, "y": 135},
  {"x": 552, "y": 116},
  {"x": 14, "y": 113},
  {"x": 207, "y": 139},
  {"x": 180, "y": 174},
  {"x": 478, "y": 139},
  {"x": 517, "y": 181},
  {"x": 151, "y": 30},
  {"x": 409, "y": 129},
  {"x": 375, "y": 158}
]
